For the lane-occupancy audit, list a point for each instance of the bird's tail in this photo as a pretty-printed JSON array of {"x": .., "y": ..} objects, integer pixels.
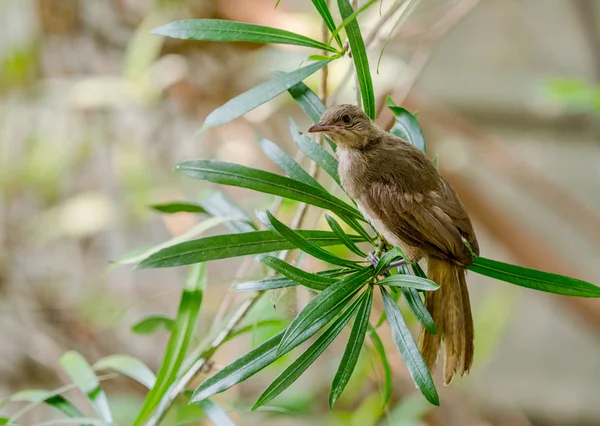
[{"x": 450, "y": 309}]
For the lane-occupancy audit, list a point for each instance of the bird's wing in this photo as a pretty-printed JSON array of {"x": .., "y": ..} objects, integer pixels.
[{"x": 419, "y": 220}]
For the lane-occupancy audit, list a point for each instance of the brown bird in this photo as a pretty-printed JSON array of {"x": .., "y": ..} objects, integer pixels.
[{"x": 401, "y": 193}]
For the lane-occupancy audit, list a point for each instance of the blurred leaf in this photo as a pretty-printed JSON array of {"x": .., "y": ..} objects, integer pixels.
[
  {"x": 266, "y": 284},
  {"x": 344, "y": 238},
  {"x": 178, "y": 207},
  {"x": 310, "y": 355},
  {"x": 184, "y": 328},
  {"x": 198, "y": 229},
  {"x": 302, "y": 243},
  {"x": 287, "y": 163},
  {"x": 82, "y": 374},
  {"x": 409, "y": 281},
  {"x": 88, "y": 421},
  {"x": 313, "y": 281},
  {"x": 258, "y": 95},
  {"x": 230, "y": 31},
  {"x": 410, "y": 411},
  {"x": 256, "y": 326},
  {"x": 408, "y": 349},
  {"x": 387, "y": 370},
  {"x": 255, "y": 360},
  {"x": 418, "y": 308},
  {"x": 315, "y": 152},
  {"x": 231, "y": 245},
  {"x": 351, "y": 18},
  {"x": 215, "y": 413},
  {"x": 532, "y": 278},
  {"x": 353, "y": 348},
  {"x": 129, "y": 366},
  {"x": 323, "y": 9},
  {"x": 152, "y": 324},
  {"x": 359, "y": 56},
  {"x": 232, "y": 174},
  {"x": 216, "y": 203},
  {"x": 333, "y": 297},
  {"x": 56, "y": 401},
  {"x": 406, "y": 126}
]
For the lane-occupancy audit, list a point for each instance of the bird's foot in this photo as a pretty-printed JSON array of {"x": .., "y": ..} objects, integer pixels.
[
  {"x": 373, "y": 259},
  {"x": 375, "y": 262}
]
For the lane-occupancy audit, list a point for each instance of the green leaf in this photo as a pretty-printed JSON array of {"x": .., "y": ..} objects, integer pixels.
[
  {"x": 129, "y": 366},
  {"x": 323, "y": 9},
  {"x": 287, "y": 163},
  {"x": 344, "y": 238},
  {"x": 178, "y": 207},
  {"x": 56, "y": 401},
  {"x": 310, "y": 355},
  {"x": 315, "y": 152},
  {"x": 308, "y": 101},
  {"x": 256, "y": 326},
  {"x": 302, "y": 243},
  {"x": 232, "y": 245},
  {"x": 353, "y": 348},
  {"x": 216, "y": 203},
  {"x": 258, "y": 95},
  {"x": 225, "y": 173},
  {"x": 266, "y": 284},
  {"x": 258, "y": 358},
  {"x": 351, "y": 18},
  {"x": 419, "y": 310},
  {"x": 408, "y": 349},
  {"x": 152, "y": 324},
  {"x": 409, "y": 281},
  {"x": 387, "y": 369},
  {"x": 183, "y": 331},
  {"x": 197, "y": 230},
  {"x": 333, "y": 297},
  {"x": 230, "y": 31},
  {"x": 82, "y": 374},
  {"x": 406, "y": 126},
  {"x": 361, "y": 62},
  {"x": 532, "y": 278},
  {"x": 307, "y": 279},
  {"x": 215, "y": 414},
  {"x": 386, "y": 260}
]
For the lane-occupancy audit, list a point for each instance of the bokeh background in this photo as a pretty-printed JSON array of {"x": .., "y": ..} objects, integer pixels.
[{"x": 95, "y": 111}]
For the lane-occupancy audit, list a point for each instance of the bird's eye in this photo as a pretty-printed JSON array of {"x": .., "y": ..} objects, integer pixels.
[{"x": 346, "y": 118}]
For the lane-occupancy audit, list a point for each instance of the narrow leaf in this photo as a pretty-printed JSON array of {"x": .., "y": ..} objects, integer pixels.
[
  {"x": 408, "y": 349},
  {"x": 258, "y": 358},
  {"x": 359, "y": 55},
  {"x": 56, "y": 401},
  {"x": 532, "y": 278},
  {"x": 353, "y": 348},
  {"x": 386, "y": 260},
  {"x": 387, "y": 369},
  {"x": 308, "y": 101},
  {"x": 82, "y": 374},
  {"x": 152, "y": 324},
  {"x": 257, "y": 326},
  {"x": 333, "y": 297},
  {"x": 344, "y": 238},
  {"x": 310, "y": 355},
  {"x": 287, "y": 163},
  {"x": 258, "y": 95},
  {"x": 409, "y": 281},
  {"x": 230, "y": 31},
  {"x": 258, "y": 180},
  {"x": 215, "y": 414},
  {"x": 303, "y": 244},
  {"x": 264, "y": 285},
  {"x": 232, "y": 245},
  {"x": 315, "y": 152},
  {"x": 178, "y": 207},
  {"x": 419, "y": 310},
  {"x": 352, "y": 17},
  {"x": 323, "y": 9},
  {"x": 406, "y": 126},
  {"x": 129, "y": 366},
  {"x": 314, "y": 281},
  {"x": 185, "y": 322},
  {"x": 216, "y": 203}
]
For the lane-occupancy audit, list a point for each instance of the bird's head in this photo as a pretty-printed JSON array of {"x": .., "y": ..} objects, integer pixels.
[{"x": 347, "y": 125}]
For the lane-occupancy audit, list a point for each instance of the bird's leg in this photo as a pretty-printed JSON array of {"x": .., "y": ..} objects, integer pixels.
[{"x": 372, "y": 257}]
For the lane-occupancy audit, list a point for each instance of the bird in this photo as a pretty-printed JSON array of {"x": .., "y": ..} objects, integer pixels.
[{"x": 401, "y": 193}]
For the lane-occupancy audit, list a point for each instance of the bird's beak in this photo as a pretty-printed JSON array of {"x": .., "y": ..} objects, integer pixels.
[{"x": 321, "y": 127}]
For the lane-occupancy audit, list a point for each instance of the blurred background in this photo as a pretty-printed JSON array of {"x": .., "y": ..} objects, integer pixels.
[{"x": 95, "y": 112}]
